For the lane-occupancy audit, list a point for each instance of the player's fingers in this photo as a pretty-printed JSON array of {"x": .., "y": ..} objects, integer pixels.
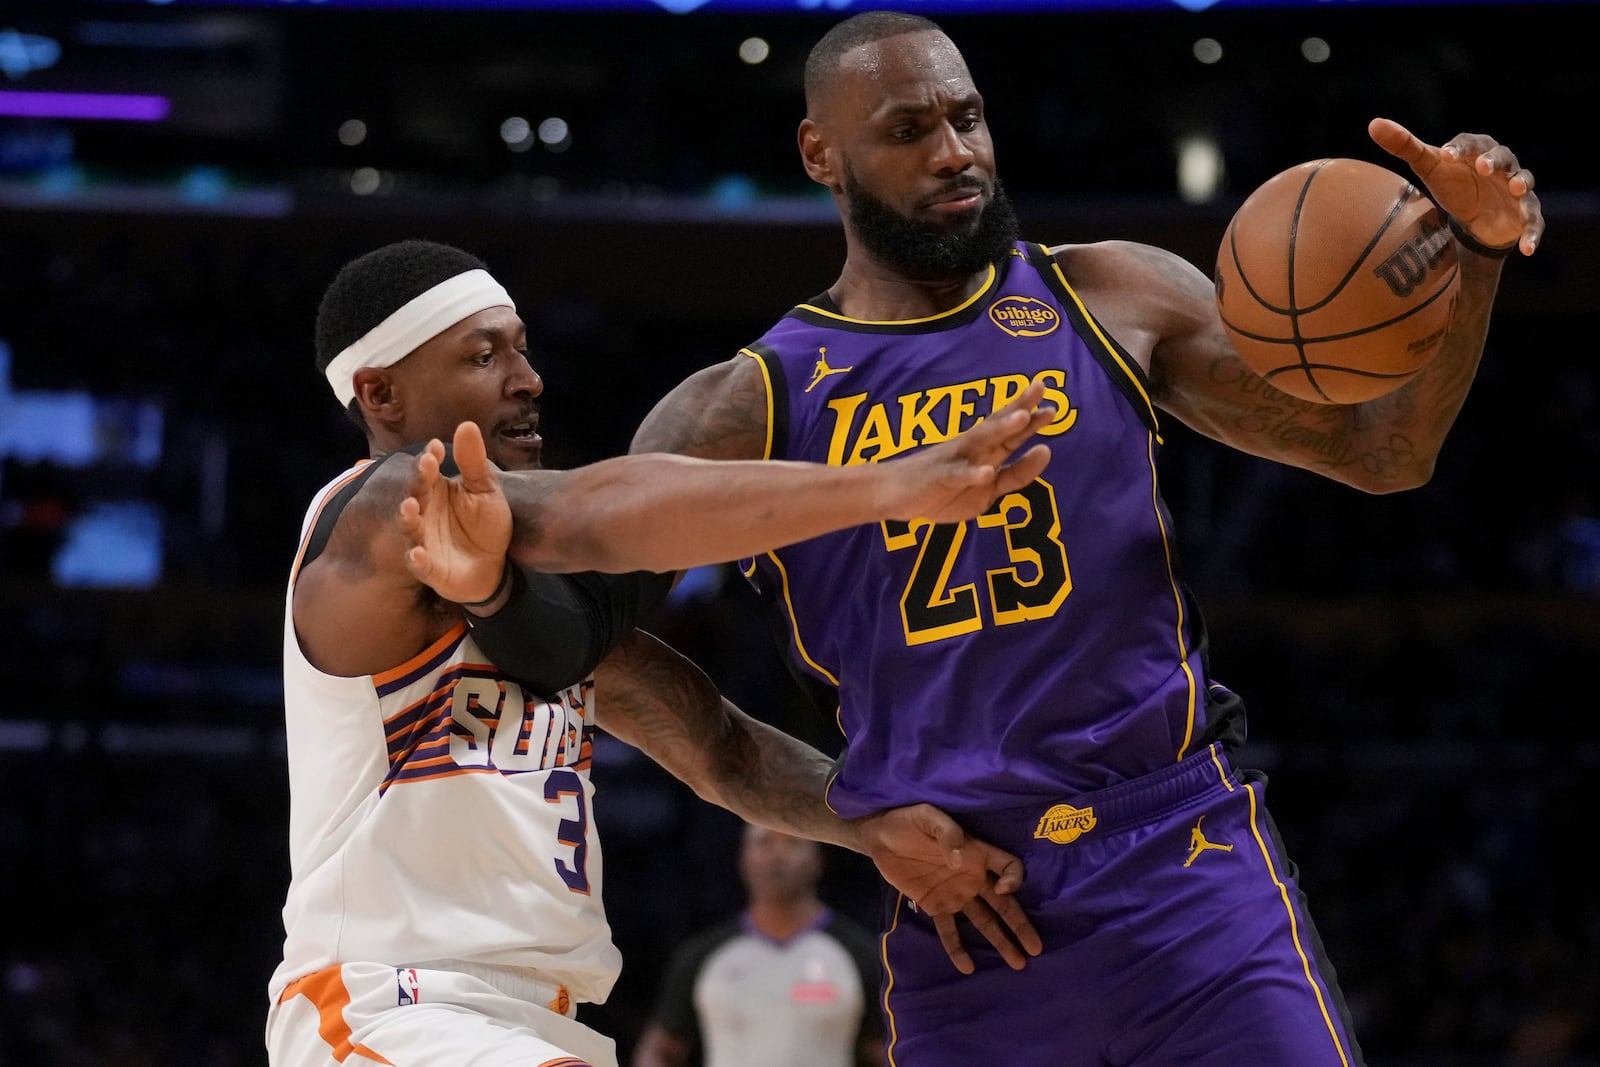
[
  {"x": 1026, "y": 400},
  {"x": 419, "y": 563},
  {"x": 995, "y": 931},
  {"x": 1476, "y": 149},
  {"x": 1017, "y": 922},
  {"x": 950, "y": 938},
  {"x": 1022, "y": 470},
  {"x": 1036, "y": 420},
  {"x": 472, "y": 457},
  {"x": 1007, "y": 869},
  {"x": 972, "y": 474},
  {"x": 944, "y": 831},
  {"x": 1500, "y": 159},
  {"x": 427, "y": 467},
  {"x": 1532, "y": 223},
  {"x": 1012, "y": 420},
  {"x": 1397, "y": 140}
]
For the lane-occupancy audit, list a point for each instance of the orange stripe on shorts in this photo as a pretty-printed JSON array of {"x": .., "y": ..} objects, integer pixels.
[{"x": 326, "y": 991}]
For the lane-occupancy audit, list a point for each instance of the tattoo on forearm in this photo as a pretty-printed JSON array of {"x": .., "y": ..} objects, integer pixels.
[
  {"x": 659, "y": 702},
  {"x": 1378, "y": 437}
]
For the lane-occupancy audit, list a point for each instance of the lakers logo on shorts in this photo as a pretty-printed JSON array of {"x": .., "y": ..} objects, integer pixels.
[{"x": 1064, "y": 824}]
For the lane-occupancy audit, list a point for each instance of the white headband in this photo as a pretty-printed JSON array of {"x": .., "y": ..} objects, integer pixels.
[{"x": 415, "y": 322}]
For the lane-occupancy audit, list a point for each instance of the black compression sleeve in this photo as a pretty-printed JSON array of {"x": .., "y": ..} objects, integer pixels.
[{"x": 556, "y": 628}]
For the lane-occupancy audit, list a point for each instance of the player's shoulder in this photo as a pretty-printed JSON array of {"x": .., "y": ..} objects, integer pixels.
[
  {"x": 718, "y": 412},
  {"x": 1129, "y": 280},
  {"x": 1113, "y": 258}
]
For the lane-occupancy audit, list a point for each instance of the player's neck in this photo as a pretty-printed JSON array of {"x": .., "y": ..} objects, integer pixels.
[
  {"x": 869, "y": 290},
  {"x": 783, "y": 919}
]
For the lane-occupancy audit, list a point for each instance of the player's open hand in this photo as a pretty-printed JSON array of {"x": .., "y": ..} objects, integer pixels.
[
  {"x": 960, "y": 478},
  {"x": 457, "y": 527},
  {"x": 926, "y": 855},
  {"x": 1474, "y": 178}
]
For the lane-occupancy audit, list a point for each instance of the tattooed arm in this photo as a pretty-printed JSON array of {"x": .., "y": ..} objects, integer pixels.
[
  {"x": 1163, "y": 310},
  {"x": 719, "y": 412},
  {"x": 659, "y": 702}
]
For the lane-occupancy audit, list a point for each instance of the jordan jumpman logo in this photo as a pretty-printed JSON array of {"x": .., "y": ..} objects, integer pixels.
[
  {"x": 1198, "y": 843},
  {"x": 823, "y": 370}
]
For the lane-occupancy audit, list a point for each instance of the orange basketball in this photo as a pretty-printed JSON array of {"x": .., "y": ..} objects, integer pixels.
[{"x": 1337, "y": 280}]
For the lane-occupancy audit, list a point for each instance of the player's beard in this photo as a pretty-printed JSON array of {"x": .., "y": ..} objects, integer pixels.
[{"x": 929, "y": 251}]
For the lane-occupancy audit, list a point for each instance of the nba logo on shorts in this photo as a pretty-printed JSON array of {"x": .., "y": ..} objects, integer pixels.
[{"x": 406, "y": 978}]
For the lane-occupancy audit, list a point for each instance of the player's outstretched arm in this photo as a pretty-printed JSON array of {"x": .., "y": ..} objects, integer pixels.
[
  {"x": 1383, "y": 445},
  {"x": 661, "y": 703},
  {"x": 666, "y": 512}
]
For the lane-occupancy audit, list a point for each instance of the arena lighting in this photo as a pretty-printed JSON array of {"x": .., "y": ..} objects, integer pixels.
[{"x": 113, "y": 106}]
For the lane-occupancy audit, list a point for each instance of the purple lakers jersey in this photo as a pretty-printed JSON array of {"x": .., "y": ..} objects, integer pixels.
[{"x": 1046, "y": 647}]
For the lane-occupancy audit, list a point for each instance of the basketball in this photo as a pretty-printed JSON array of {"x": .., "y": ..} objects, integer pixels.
[{"x": 1337, "y": 280}]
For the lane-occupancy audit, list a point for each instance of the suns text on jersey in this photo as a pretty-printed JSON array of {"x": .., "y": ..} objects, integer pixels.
[{"x": 494, "y": 724}]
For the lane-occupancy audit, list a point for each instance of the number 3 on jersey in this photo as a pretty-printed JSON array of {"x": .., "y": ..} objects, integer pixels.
[
  {"x": 494, "y": 726},
  {"x": 1033, "y": 587}
]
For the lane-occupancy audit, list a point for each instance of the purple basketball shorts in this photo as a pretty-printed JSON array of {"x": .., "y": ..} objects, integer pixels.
[{"x": 1173, "y": 929}]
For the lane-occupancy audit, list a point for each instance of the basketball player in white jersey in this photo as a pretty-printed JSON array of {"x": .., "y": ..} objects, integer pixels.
[{"x": 441, "y": 684}]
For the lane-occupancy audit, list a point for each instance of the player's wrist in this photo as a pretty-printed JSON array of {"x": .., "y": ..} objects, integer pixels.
[
  {"x": 861, "y": 835},
  {"x": 1465, "y": 240},
  {"x": 496, "y": 600}
]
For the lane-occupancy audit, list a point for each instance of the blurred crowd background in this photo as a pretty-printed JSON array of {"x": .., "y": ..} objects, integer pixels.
[{"x": 1419, "y": 668}]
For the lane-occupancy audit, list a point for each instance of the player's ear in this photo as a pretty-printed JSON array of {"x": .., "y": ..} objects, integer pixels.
[
  {"x": 815, "y": 156},
  {"x": 376, "y": 394}
]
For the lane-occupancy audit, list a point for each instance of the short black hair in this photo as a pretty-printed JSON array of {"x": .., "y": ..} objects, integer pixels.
[
  {"x": 374, "y": 286},
  {"x": 853, "y": 32}
]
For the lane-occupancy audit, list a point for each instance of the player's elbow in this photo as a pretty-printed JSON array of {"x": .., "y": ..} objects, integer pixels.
[
  {"x": 560, "y": 542},
  {"x": 1396, "y": 479}
]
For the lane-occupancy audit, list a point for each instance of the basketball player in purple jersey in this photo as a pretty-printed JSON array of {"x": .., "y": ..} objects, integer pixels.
[{"x": 1039, "y": 671}]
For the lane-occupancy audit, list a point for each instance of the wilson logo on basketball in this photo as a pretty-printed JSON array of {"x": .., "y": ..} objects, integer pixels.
[
  {"x": 1023, "y": 316},
  {"x": 1064, "y": 824},
  {"x": 1403, "y": 271}
]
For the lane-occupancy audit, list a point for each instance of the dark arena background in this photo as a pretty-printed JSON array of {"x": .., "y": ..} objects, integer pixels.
[{"x": 178, "y": 181}]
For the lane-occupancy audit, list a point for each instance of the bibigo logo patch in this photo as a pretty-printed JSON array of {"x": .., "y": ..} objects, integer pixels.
[{"x": 1023, "y": 316}]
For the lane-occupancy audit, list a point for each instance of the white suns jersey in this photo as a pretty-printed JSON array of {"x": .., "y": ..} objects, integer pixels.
[{"x": 439, "y": 812}]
